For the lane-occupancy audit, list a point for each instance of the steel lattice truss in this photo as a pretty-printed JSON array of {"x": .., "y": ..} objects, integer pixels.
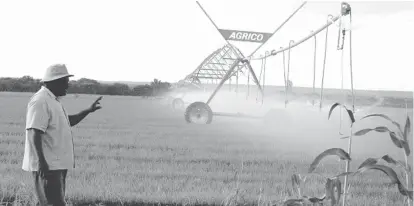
[{"x": 216, "y": 65}]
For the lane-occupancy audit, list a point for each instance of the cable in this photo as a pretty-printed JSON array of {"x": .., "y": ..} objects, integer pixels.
[
  {"x": 350, "y": 62},
  {"x": 248, "y": 84},
  {"x": 284, "y": 70},
  {"x": 314, "y": 74},
  {"x": 260, "y": 76},
  {"x": 264, "y": 77},
  {"x": 324, "y": 63},
  {"x": 342, "y": 86},
  {"x": 303, "y": 4},
  {"x": 284, "y": 77},
  {"x": 288, "y": 73}
]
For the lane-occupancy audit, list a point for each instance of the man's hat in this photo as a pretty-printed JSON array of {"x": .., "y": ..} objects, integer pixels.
[{"x": 55, "y": 71}]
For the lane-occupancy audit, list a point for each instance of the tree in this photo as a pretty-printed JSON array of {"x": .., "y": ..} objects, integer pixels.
[{"x": 160, "y": 87}]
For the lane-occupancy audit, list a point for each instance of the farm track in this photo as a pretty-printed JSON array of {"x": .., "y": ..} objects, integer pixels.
[{"x": 139, "y": 152}]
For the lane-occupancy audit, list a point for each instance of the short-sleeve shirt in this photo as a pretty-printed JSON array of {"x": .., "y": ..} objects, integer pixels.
[{"x": 46, "y": 113}]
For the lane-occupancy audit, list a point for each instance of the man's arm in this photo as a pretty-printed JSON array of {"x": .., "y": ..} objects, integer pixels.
[
  {"x": 36, "y": 136},
  {"x": 37, "y": 122},
  {"x": 76, "y": 118}
]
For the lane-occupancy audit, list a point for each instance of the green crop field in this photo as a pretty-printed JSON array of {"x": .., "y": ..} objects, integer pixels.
[{"x": 136, "y": 151}]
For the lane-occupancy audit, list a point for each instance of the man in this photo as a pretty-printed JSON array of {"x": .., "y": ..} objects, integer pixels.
[{"x": 49, "y": 151}]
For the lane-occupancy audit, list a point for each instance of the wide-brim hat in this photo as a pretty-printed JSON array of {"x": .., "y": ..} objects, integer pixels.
[{"x": 56, "y": 71}]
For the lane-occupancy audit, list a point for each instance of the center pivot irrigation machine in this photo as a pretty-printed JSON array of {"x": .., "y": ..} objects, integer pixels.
[
  {"x": 213, "y": 68},
  {"x": 228, "y": 62}
]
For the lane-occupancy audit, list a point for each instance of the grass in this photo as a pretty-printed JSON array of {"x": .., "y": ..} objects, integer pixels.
[{"x": 137, "y": 151}]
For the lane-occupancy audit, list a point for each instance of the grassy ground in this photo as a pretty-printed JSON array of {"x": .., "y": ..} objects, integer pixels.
[{"x": 137, "y": 151}]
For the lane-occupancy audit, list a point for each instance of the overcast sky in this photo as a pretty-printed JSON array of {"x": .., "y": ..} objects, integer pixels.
[{"x": 142, "y": 40}]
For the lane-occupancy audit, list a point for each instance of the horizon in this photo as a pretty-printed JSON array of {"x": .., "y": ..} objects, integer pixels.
[
  {"x": 130, "y": 83},
  {"x": 137, "y": 42}
]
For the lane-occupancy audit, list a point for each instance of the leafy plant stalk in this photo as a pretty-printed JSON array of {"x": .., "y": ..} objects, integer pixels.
[
  {"x": 348, "y": 165},
  {"x": 408, "y": 174},
  {"x": 348, "y": 161}
]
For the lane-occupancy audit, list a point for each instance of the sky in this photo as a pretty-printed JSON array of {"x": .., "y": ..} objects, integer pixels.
[{"x": 141, "y": 40}]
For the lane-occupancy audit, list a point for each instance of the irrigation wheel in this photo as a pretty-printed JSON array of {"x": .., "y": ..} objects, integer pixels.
[
  {"x": 178, "y": 104},
  {"x": 199, "y": 113}
]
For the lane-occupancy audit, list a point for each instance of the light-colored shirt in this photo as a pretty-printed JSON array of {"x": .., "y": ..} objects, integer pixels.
[{"x": 46, "y": 113}]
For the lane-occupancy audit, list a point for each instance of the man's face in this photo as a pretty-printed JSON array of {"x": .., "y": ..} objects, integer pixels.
[{"x": 61, "y": 86}]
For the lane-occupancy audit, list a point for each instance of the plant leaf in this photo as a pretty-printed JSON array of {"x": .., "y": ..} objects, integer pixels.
[
  {"x": 396, "y": 163},
  {"x": 314, "y": 200},
  {"x": 405, "y": 191},
  {"x": 343, "y": 174},
  {"x": 408, "y": 167},
  {"x": 314, "y": 174},
  {"x": 332, "y": 108},
  {"x": 406, "y": 147},
  {"x": 338, "y": 185},
  {"x": 329, "y": 191},
  {"x": 350, "y": 113},
  {"x": 369, "y": 161},
  {"x": 389, "y": 159},
  {"x": 333, "y": 190},
  {"x": 333, "y": 151},
  {"x": 362, "y": 132},
  {"x": 407, "y": 129},
  {"x": 293, "y": 202},
  {"x": 397, "y": 142},
  {"x": 296, "y": 181},
  {"x": 381, "y": 129},
  {"x": 387, "y": 170},
  {"x": 391, "y": 174},
  {"x": 385, "y": 117}
]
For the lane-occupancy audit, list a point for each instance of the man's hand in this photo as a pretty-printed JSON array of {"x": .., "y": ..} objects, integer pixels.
[
  {"x": 95, "y": 106},
  {"x": 43, "y": 168},
  {"x": 75, "y": 119}
]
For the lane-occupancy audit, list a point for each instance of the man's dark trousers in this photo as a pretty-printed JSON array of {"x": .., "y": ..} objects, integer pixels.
[{"x": 50, "y": 188}]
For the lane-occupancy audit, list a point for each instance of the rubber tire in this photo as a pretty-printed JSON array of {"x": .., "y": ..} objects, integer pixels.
[
  {"x": 176, "y": 102},
  {"x": 202, "y": 105}
]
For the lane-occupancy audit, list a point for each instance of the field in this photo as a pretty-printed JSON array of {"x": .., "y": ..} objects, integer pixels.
[{"x": 138, "y": 151}]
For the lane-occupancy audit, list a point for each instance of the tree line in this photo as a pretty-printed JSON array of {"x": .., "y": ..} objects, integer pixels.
[{"x": 87, "y": 86}]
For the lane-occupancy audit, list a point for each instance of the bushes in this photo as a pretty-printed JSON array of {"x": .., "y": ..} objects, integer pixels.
[{"x": 87, "y": 86}]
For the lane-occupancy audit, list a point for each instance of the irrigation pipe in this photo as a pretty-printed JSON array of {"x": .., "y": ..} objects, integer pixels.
[{"x": 274, "y": 52}]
